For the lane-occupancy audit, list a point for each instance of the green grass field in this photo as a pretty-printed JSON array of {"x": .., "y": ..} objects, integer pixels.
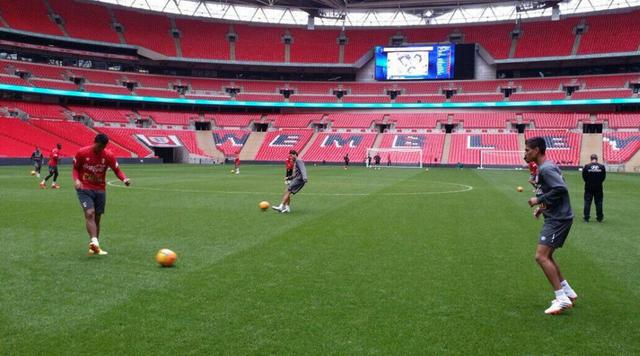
[{"x": 369, "y": 262}]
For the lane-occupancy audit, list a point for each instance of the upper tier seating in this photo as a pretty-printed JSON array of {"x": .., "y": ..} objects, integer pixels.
[
  {"x": 466, "y": 98},
  {"x": 168, "y": 117},
  {"x": 230, "y": 142},
  {"x": 546, "y": 39},
  {"x": 417, "y": 120},
  {"x": 39, "y": 110},
  {"x": 137, "y": 27},
  {"x": 563, "y": 147},
  {"x": 527, "y": 96},
  {"x": 214, "y": 46},
  {"x": 621, "y": 121},
  {"x": 76, "y": 133},
  {"x": 54, "y": 84},
  {"x": 619, "y": 147},
  {"x": 103, "y": 114},
  {"x": 555, "y": 120},
  {"x": 602, "y": 94},
  {"x": 353, "y": 120},
  {"x": 366, "y": 99},
  {"x": 86, "y": 21},
  {"x": 277, "y": 144},
  {"x": 234, "y": 120},
  {"x": 431, "y": 144},
  {"x": 611, "y": 33},
  {"x": 484, "y": 120},
  {"x": 259, "y": 43},
  {"x": 331, "y": 147},
  {"x": 29, "y": 15},
  {"x": 465, "y": 148},
  {"x": 296, "y": 120},
  {"x": 412, "y": 99}
]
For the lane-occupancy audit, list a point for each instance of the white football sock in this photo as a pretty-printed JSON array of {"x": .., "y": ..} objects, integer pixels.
[
  {"x": 560, "y": 295},
  {"x": 94, "y": 240},
  {"x": 567, "y": 289}
]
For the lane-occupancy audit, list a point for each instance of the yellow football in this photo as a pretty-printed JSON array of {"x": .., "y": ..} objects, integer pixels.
[
  {"x": 264, "y": 205},
  {"x": 166, "y": 257},
  {"x": 520, "y": 189}
]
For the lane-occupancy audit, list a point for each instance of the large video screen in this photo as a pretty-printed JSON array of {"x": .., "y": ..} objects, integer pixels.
[{"x": 415, "y": 62}]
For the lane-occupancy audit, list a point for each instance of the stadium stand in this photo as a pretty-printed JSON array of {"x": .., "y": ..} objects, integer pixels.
[
  {"x": 607, "y": 81},
  {"x": 362, "y": 41},
  {"x": 305, "y": 42},
  {"x": 37, "y": 70},
  {"x": 76, "y": 133},
  {"x": 417, "y": 120},
  {"x": 98, "y": 76},
  {"x": 543, "y": 95},
  {"x": 611, "y": 33},
  {"x": 163, "y": 93},
  {"x": 621, "y": 121},
  {"x": 563, "y": 147},
  {"x": 466, "y": 98},
  {"x": 555, "y": 120},
  {"x": 39, "y": 110},
  {"x": 259, "y": 43},
  {"x": 313, "y": 99},
  {"x": 22, "y": 131},
  {"x": 546, "y": 39},
  {"x": 29, "y": 15},
  {"x": 107, "y": 89},
  {"x": 353, "y": 120},
  {"x": 541, "y": 84},
  {"x": 602, "y": 94},
  {"x": 124, "y": 137},
  {"x": 54, "y": 84},
  {"x": 431, "y": 144},
  {"x": 259, "y": 97},
  {"x": 235, "y": 120},
  {"x": 296, "y": 120},
  {"x": 465, "y": 148},
  {"x": 484, "y": 120},
  {"x": 103, "y": 114},
  {"x": 5, "y": 79},
  {"x": 480, "y": 86},
  {"x": 366, "y": 99},
  {"x": 230, "y": 142},
  {"x": 496, "y": 39},
  {"x": 277, "y": 144},
  {"x": 411, "y": 99},
  {"x": 214, "y": 46},
  {"x": 187, "y": 137},
  {"x": 331, "y": 147},
  {"x": 619, "y": 147},
  {"x": 86, "y": 21},
  {"x": 10, "y": 148},
  {"x": 136, "y": 31},
  {"x": 168, "y": 117}
]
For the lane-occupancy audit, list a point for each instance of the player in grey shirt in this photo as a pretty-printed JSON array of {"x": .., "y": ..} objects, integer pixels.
[
  {"x": 552, "y": 199},
  {"x": 297, "y": 181}
]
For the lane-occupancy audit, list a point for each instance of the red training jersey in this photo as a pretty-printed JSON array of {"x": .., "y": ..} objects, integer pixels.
[
  {"x": 91, "y": 168},
  {"x": 288, "y": 163},
  {"x": 533, "y": 168},
  {"x": 237, "y": 161},
  {"x": 54, "y": 157}
]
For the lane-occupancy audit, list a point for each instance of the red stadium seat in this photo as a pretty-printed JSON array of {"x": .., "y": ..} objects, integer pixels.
[
  {"x": 331, "y": 147},
  {"x": 465, "y": 148},
  {"x": 277, "y": 144}
]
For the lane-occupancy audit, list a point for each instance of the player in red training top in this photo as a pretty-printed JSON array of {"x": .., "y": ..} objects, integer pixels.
[
  {"x": 236, "y": 163},
  {"x": 89, "y": 170},
  {"x": 53, "y": 168},
  {"x": 288, "y": 163}
]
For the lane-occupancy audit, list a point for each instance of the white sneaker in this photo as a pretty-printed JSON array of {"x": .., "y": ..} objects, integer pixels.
[
  {"x": 572, "y": 296},
  {"x": 286, "y": 210},
  {"x": 558, "y": 306},
  {"x": 278, "y": 208}
]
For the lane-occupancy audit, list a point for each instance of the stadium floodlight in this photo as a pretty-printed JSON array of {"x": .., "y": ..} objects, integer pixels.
[
  {"x": 497, "y": 159},
  {"x": 395, "y": 157}
]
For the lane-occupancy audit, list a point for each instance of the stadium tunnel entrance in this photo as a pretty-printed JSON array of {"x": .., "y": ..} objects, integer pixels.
[{"x": 171, "y": 154}]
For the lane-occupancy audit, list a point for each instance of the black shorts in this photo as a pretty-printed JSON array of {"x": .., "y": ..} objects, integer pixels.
[
  {"x": 37, "y": 165},
  {"x": 289, "y": 173},
  {"x": 92, "y": 199},
  {"x": 295, "y": 185},
  {"x": 53, "y": 170},
  {"x": 555, "y": 232}
]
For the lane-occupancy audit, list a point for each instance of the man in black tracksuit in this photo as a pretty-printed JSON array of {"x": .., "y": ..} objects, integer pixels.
[{"x": 593, "y": 175}]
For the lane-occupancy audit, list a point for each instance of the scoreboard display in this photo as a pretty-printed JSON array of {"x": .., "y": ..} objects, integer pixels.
[{"x": 421, "y": 62}]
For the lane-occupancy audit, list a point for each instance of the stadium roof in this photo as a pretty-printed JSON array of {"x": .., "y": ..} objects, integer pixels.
[{"x": 374, "y": 13}]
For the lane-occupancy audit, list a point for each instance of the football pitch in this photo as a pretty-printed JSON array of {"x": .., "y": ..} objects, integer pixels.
[{"x": 389, "y": 262}]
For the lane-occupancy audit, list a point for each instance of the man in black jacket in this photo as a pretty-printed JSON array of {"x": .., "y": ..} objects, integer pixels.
[{"x": 593, "y": 175}]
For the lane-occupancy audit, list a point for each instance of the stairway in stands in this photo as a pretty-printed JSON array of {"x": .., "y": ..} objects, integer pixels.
[{"x": 251, "y": 147}]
